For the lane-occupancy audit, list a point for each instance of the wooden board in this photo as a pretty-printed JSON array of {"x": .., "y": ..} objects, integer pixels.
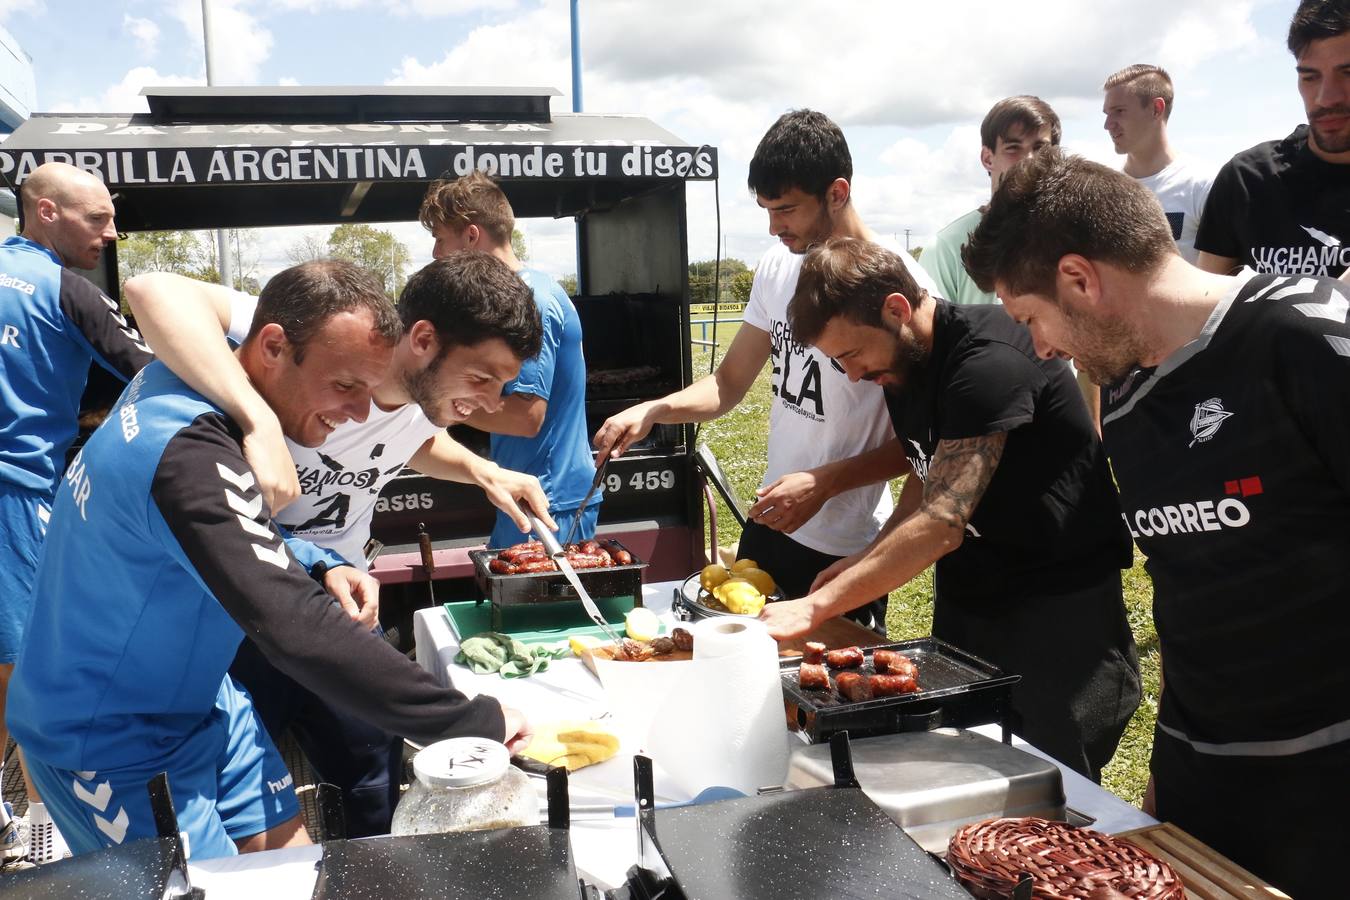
[
  {"x": 837, "y": 632},
  {"x": 1206, "y": 874}
]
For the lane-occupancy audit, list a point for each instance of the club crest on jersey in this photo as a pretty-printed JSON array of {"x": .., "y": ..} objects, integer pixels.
[{"x": 1206, "y": 420}]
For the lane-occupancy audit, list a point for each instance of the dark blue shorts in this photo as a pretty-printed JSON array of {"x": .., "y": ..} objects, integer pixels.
[
  {"x": 23, "y": 523},
  {"x": 227, "y": 780}
]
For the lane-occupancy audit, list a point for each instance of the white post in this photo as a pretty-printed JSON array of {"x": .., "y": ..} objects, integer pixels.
[{"x": 224, "y": 262}]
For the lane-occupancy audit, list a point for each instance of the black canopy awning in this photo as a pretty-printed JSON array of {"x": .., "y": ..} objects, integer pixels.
[{"x": 240, "y": 157}]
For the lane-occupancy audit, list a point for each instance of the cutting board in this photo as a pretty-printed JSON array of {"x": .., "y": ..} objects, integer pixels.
[
  {"x": 837, "y": 632},
  {"x": 1206, "y": 874}
]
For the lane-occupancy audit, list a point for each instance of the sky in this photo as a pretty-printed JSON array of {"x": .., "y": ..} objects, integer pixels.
[{"x": 907, "y": 82}]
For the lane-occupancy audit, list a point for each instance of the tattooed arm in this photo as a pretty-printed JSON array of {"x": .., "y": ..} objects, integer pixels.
[{"x": 912, "y": 540}]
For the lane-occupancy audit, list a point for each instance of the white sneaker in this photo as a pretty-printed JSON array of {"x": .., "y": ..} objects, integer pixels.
[
  {"x": 45, "y": 843},
  {"x": 14, "y": 841}
]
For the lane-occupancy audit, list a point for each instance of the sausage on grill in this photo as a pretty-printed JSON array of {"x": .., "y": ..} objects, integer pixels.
[
  {"x": 892, "y": 685},
  {"x": 813, "y": 653},
  {"x": 846, "y": 658},
  {"x": 854, "y": 686},
  {"x": 893, "y": 662},
  {"x": 813, "y": 677},
  {"x": 536, "y": 565},
  {"x": 617, "y": 552},
  {"x": 501, "y": 567}
]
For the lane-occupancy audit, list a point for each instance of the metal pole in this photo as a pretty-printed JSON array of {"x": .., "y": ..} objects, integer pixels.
[
  {"x": 576, "y": 58},
  {"x": 224, "y": 263}
]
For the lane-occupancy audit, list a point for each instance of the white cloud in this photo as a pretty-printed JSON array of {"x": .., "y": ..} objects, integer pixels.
[
  {"x": 31, "y": 7},
  {"x": 239, "y": 43},
  {"x": 124, "y": 96},
  {"x": 144, "y": 32},
  {"x": 408, "y": 8}
]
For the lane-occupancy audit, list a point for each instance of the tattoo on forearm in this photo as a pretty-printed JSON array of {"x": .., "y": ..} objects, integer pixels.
[{"x": 958, "y": 476}]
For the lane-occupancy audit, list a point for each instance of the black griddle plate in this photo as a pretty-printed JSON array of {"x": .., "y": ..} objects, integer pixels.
[
  {"x": 140, "y": 870},
  {"x": 956, "y": 689},
  {"x": 822, "y": 842},
  {"x": 530, "y": 863}
]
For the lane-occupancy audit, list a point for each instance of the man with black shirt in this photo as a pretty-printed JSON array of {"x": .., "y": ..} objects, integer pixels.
[
  {"x": 1284, "y": 206},
  {"x": 1011, "y": 497},
  {"x": 1228, "y": 427}
]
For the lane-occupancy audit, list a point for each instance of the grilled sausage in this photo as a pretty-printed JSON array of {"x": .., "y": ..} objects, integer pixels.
[
  {"x": 683, "y": 638},
  {"x": 846, "y": 658},
  {"x": 813, "y": 653},
  {"x": 891, "y": 685},
  {"x": 590, "y": 546},
  {"x": 523, "y": 558},
  {"x": 500, "y": 566},
  {"x": 589, "y": 560},
  {"x": 813, "y": 677},
  {"x": 893, "y": 662},
  {"x": 854, "y": 686},
  {"x": 536, "y": 565},
  {"x": 510, "y": 553},
  {"x": 617, "y": 552}
]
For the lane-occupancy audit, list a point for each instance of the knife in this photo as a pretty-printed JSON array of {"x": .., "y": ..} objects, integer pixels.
[
  {"x": 555, "y": 552},
  {"x": 595, "y": 484}
]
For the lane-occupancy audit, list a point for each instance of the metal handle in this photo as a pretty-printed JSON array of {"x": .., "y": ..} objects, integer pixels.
[{"x": 546, "y": 537}]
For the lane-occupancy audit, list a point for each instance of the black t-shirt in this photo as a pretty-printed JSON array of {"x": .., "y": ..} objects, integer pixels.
[
  {"x": 1233, "y": 459},
  {"x": 1050, "y": 518},
  {"x": 1279, "y": 208}
]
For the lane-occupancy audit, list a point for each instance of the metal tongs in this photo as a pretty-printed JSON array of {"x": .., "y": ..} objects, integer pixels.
[
  {"x": 556, "y": 553},
  {"x": 581, "y": 510}
]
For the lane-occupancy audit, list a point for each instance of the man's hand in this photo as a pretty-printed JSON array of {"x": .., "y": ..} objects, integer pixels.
[
  {"x": 507, "y": 489},
  {"x": 357, "y": 592},
  {"x": 791, "y": 501},
  {"x": 266, "y": 452},
  {"x": 834, "y": 569},
  {"x": 622, "y": 429},
  {"x": 518, "y": 730},
  {"x": 789, "y": 618}
]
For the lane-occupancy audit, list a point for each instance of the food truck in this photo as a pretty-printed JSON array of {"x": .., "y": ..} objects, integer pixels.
[{"x": 267, "y": 156}]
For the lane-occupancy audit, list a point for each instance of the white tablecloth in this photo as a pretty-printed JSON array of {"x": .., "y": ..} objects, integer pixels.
[{"x": 604, "y": 846}]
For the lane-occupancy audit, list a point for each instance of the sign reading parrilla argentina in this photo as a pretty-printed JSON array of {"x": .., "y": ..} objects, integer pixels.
[{"x": 303, "y": 161}]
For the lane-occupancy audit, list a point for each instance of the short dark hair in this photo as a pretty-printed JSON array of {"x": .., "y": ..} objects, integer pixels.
[
  {"x": 1031, "y": 113},
  {"x": 474, "y": 199},
  {"x": 803, "y": 150},
  {"x": 1144, "y": 82},
  {"x": 303, "y": 298},
  {"x": 847, "y": 277},
  {"x": 1054, "y": 204},
  {"x": 470, "y": 297},
  {"x": 1315, "y": 20}
]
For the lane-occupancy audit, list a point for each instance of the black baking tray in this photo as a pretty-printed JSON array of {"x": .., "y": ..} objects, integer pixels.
[
  {"x": 532, "y": 862},
  {"x": 552, "y": 587},
  {"x": 957, "y": 690}
]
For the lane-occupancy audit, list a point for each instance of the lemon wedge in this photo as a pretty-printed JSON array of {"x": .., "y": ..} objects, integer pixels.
[{"x": 583, "y": 642}]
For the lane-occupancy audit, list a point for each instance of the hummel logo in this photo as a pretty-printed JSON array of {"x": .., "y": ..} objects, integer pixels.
[
  {"x": 1329, "y": 240},
  {"x": 1206, "y": 420},
  {"x": 247, "y": 512}
]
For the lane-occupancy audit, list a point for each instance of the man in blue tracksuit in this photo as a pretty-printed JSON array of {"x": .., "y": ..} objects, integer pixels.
[
  {"x": 541, "y": 425},
  {"x": 161, "y": 554},
  {"x": 53, "y": 323}
]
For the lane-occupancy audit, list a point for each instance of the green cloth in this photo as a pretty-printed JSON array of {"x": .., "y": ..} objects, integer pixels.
[
  {"x": 493, "y": 651},
  {"x": 943, "y": 262}
]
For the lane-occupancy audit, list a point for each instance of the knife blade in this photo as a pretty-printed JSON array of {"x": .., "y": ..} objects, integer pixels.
[
  {"x": 595, "y": 485},
  {"x": 555, "y": 552}
]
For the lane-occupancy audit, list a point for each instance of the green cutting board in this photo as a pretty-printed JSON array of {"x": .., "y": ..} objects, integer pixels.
[{"x": 537, "y": 623}]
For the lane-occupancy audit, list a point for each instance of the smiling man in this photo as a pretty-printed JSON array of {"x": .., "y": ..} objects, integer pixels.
[
  {"x": 161, "y": 554},
  {"x": 1284, "y": 206},
  {"x": 1010, "y": 497},
  {"x": 468, "y": 322},
  {"x": 1227, "y": 420},
  {"x": 831, "y": 450},
  {"x": 53, "y": 324}
]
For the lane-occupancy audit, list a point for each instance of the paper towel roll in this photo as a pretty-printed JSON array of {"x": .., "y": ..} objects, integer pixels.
[{"x": 716, "y": 719}]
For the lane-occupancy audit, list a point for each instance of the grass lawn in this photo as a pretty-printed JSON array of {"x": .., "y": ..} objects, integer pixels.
[{"x": 740, "y": 441}]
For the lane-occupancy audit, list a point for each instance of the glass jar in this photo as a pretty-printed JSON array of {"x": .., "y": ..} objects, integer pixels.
[{"x": 465, "y": 784}]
